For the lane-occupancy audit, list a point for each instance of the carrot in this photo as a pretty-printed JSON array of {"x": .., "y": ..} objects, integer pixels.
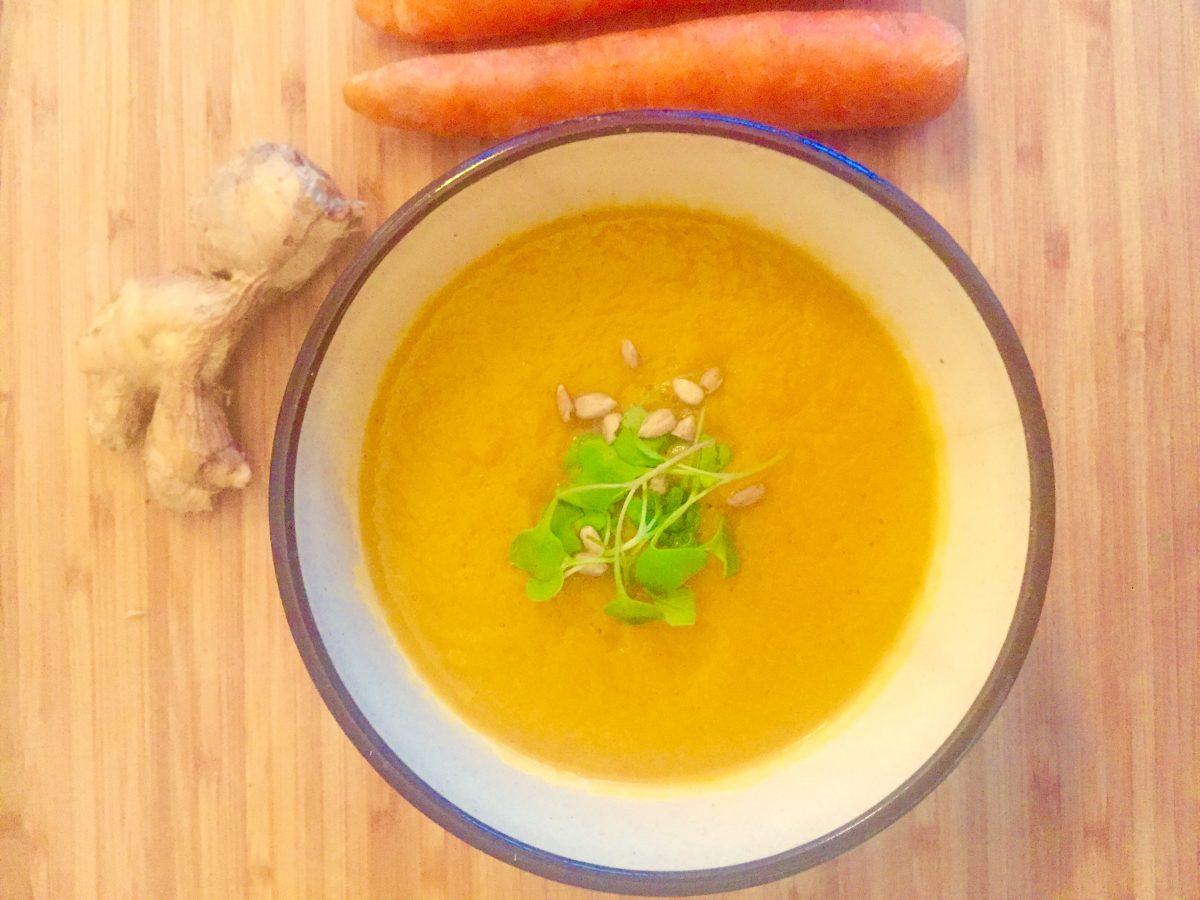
[
  {"x": 799, "y": 70},
  {"x": 462, "y": 20}
]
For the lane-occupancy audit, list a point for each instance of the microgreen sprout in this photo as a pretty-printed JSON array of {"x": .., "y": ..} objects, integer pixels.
[{"x": 644, "y": 498}]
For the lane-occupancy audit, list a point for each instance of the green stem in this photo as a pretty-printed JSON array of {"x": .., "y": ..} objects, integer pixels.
[
  {"x": 726, "y": 478},
  {"x": 678, "y": 513},
  {"x": 634, "y": 485},
  {"x": 566, "y": 492}
]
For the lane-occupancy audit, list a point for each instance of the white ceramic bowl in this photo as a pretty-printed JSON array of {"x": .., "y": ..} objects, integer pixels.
[{"x": 961, "y": 655}]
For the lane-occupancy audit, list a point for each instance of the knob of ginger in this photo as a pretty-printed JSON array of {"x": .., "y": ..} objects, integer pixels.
[{"x": 156, "y": 352}]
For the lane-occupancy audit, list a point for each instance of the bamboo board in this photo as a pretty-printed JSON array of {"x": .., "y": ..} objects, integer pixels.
[{"x": 158, "y": 734}]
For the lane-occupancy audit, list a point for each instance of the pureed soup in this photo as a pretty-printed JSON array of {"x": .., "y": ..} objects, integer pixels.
[{"x": 708, "y": 635}]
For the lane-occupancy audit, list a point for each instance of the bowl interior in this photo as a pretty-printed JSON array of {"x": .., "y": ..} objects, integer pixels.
[{"x": 951, "y": 648}]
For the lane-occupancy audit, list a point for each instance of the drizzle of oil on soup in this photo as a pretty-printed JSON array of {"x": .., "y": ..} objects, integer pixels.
[{"x": 464, "y": 447}]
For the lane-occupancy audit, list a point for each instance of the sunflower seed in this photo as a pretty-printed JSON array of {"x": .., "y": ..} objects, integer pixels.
[
  {"x": 711, "y": 380},
  {"x": 658, "y": 423},
  {"x": 688, "y": 391},
  {"x": 747, "y": 496},
  {"x": 686, "y": 429},
  {"x": 565, "y": 404},
  {"x": 630, "y": 354},
  {"x": 609, "y": 425},
  {"x": 591, "y": 540},
  {"x": 593, "y": 406}
]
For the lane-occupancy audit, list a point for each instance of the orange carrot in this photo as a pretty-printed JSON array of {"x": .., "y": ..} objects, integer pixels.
[
  {"x": 800, "y": 70},
  {"x": 462, "y": 20}
]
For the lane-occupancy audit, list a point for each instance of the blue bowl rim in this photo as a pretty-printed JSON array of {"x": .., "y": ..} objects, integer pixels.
[{"x": 479, "y": 834}]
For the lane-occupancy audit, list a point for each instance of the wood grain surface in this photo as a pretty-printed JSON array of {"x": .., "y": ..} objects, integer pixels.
[{"x": 159, "y": 736}]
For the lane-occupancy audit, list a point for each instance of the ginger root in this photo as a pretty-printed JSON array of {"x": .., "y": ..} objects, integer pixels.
[{"x": 156, "y": 352}]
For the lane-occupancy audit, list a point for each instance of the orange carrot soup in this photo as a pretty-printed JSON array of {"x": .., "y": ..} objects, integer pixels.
[{"x": 648, "y": 493}]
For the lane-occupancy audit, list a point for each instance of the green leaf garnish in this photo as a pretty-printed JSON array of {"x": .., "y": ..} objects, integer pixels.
[
  {"x": 537, "y": 551},
  {"x": 678, "y": 607},
  {"x": 713, "y": 458},
  {"x": 682, "y": 532},
  {"x": 645, "y": 500},
  {"x": 590, "y": 462},
  {"x": 673, "y": 498},
  {"x": 635, "y": 612},
  {"x": 540, "y": 589},
  {"x": 663, "y": 570},
  {"x": 566, "y": 522},
  {"x": 721, "y": 546}
]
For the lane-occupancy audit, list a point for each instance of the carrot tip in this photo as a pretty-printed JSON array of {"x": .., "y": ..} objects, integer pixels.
[{"x": 378, "y": 13}]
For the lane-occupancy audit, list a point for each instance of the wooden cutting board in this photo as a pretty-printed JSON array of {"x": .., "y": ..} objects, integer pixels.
[{"x": 158, "y": 734}]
